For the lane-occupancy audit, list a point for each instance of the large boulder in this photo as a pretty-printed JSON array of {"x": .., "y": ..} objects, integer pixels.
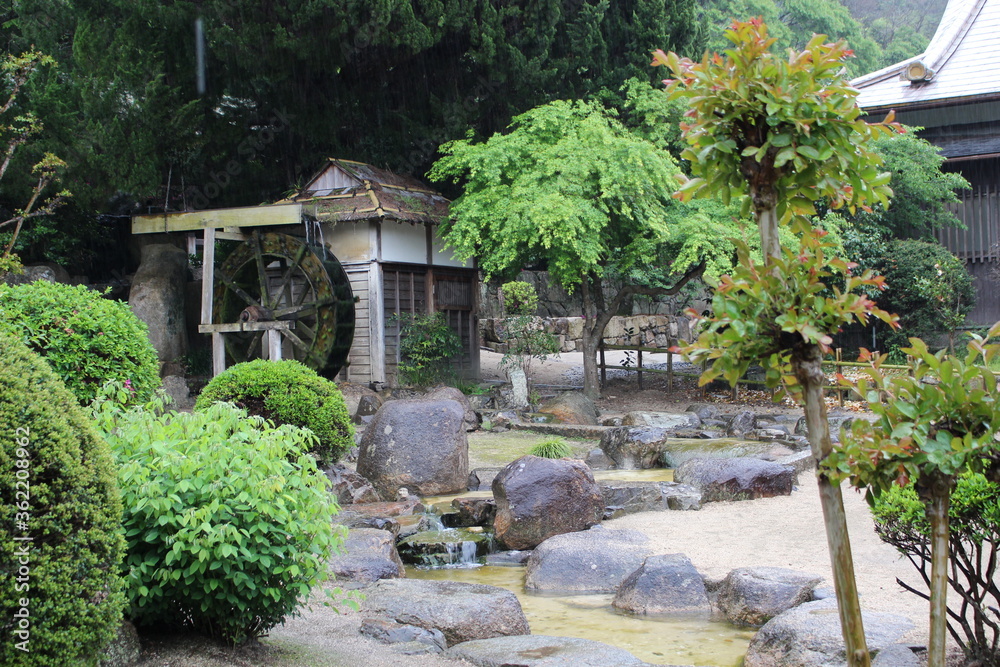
[
  {"x": 537, "y": 498},
  {"x": 349, "y": 486},
  {"x": 736, "y": 479},
  {"x": 664, "y": 584},
  {"x": 393, "y": 632},
  {"x": 354, "y": 394},
  {"x": 752, "y": 596},
  {"x": 470, "y": 512},
  {"x": 176, "y": 387},
  {"x": 671, "y": 420},
  {"x": 659, "y": 447},
  {"x": 416, "y": 444},
  {"x": 621, "y": 498},
  {"x": 809, "y": 636},
  {"x": 741, "y": 424},
  {"x": 462, "y": 612},
  {"x": 368, "y": 555},
  {"x": 157, "y": 298},
  {"x": 367, "y": 515},
  {"x": 444, "y": 392},
  {"x": 542, "y": 651},
  {"x": 571, "y": 407},
  {"x": 593, "y": 561},
  {"x": 124, "y": 650},
  {"x": 635, "y": 447}
]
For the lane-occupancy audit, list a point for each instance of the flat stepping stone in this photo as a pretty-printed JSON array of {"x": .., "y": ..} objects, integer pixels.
[
  {"x": 461, "y": 611},
  {"x": 542, "y": 651},
  {"x": 809, "y": 636}
]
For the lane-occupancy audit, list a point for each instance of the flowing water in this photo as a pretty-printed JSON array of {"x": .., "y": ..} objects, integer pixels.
[
  {"x": 677, "y": 641},
  {"x": 692, "y": 640}
]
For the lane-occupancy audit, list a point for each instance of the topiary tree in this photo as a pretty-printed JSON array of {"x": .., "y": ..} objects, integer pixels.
[
  {"x": 519, "y": 298},
  {"x": 86, "y": 339},
  {"x": 287, "y": 392},
  {"x": 522, "y": 331},
  {"x": 227, "y": 518},
  {"x": 61, "y": 545},
  {"x": 931, "y": 426},
  {"x": 901, "y": 520},
  {"x": 783, "y": 132}
]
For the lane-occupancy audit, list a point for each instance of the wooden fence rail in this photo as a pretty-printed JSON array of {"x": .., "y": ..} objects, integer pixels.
[{"x": 836, "y": 364}]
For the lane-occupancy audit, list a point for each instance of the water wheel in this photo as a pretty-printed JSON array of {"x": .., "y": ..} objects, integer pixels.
[{"x": 281, "y": 277}]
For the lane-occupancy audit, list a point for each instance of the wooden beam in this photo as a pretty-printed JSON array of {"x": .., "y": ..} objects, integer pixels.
[
  {"x": 231, "y": 234},
  {"x": 277, "y": 325},
  {"x": 248, "y": 216}
]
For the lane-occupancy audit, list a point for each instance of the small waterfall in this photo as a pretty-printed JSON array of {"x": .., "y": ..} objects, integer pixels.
[
  {"x": 451, "y": 547},
  {"x": 468, "y": 553}
]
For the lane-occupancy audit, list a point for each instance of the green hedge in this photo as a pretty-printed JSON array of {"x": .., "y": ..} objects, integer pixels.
[
  {"x": 87, "y": 339},
  {"x": 57, "y": 477},
  {"x": 287, "y": 392}
]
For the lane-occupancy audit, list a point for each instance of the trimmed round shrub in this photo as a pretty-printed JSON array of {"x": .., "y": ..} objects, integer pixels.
[
  {"x": 928, "y": 287},
  {"x": 61, "y": 545},
  {"x": 227, "y": 518},
  {"x": 519, "y": 298},
  {"x": 287, "y": 392},
  {"x": 87, "y": 339}
]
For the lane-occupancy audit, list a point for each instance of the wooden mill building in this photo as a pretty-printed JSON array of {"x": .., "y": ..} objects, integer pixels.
[
  {"x": 952, "y": 90},
  {"x": 338, "y": 264}
]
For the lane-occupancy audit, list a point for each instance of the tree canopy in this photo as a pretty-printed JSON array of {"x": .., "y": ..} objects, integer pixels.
[{"x": 569, "y": 186}]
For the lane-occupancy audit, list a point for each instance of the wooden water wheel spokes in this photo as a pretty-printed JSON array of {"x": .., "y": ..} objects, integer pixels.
[{"x": 281, "y": 277}]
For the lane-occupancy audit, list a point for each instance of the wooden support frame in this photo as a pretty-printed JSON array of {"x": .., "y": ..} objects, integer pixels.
[
  {"x": 247, "y": 216},
  {"x": 270, "y": 346}
]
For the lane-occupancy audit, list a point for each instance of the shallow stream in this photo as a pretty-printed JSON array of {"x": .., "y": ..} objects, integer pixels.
[{"x": 677, "y": 641}]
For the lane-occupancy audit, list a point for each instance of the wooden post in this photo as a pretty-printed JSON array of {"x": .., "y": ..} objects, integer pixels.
[
  {"x": 670, "y": 369},
  {"x": 639, "y": 356},
  {"x": 274, "y": 345},
  {"x": 840, "y": 371},
  {"x": 208, "y": 297},
  {"x": 604, "y": 370},
  {"x": 218, "y": 353}
]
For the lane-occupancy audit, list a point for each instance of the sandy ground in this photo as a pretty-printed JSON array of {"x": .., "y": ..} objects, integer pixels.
[
  {"x": 787, "y": 532},
  {"x": 783, "y": 532}
]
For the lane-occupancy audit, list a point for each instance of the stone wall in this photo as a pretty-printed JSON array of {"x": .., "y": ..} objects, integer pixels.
[
  {"x": 641, "y": 330},
  {"x": 554, "y": 302}
]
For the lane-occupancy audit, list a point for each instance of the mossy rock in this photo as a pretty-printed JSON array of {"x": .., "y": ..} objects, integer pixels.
[{"x": 58, "y": 490}]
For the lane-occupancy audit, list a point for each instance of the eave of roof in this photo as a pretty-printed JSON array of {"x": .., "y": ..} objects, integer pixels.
[{"x": 964, "y": 55}]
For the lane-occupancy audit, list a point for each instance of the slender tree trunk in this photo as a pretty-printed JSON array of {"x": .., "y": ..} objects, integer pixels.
[
  {"x": 807, "y": 365},
  {"x": 767, "y": 225},
  {"x": 590, "y": 290},
  {"x": 936, "y": 494}
]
